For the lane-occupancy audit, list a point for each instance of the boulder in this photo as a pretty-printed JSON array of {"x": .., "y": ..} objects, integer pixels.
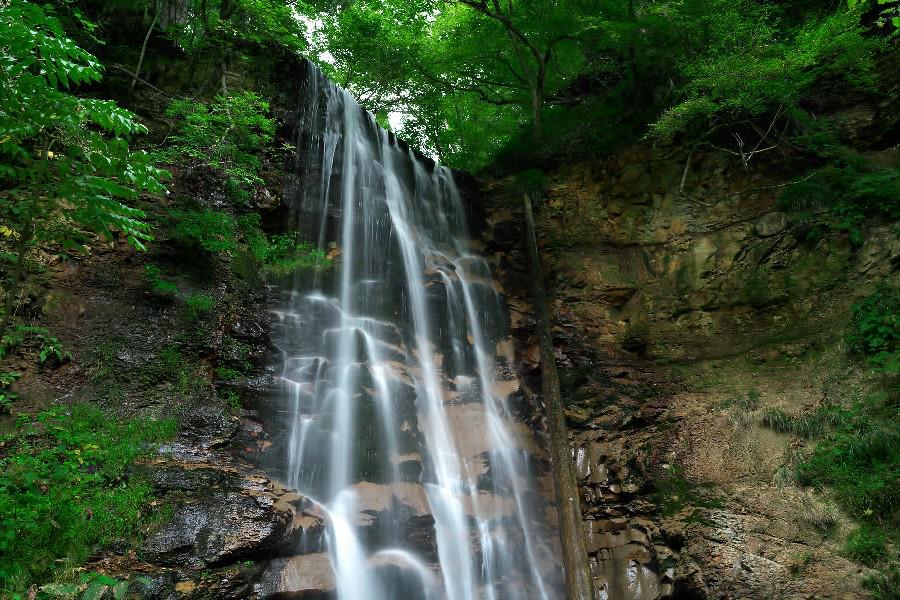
[
  {"x": 770, "y": 224},
  {"x": 309, "y": 577},
  {"x": 218, "y": 530}
]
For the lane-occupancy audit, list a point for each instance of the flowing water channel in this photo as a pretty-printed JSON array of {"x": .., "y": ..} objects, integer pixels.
[{"x": 397, "y": 375}]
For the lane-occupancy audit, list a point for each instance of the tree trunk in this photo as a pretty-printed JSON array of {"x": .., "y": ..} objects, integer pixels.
[
  {"x": 537, "y": 108},
  {"x": 226, "y": 9},
  {"x": 579, "y": 585},
  {"x": 637, "y": 87}
]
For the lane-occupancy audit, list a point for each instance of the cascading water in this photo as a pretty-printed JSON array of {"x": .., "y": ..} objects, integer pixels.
[{"x": 398, "y": 424}]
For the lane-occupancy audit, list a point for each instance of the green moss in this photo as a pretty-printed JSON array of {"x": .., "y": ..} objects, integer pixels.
[
  {"x": 674, "y": 493},
  {"x": 197, "y": 307},
  {"x": 228, "y": 374},
  {"x": 157, "y": 283}
]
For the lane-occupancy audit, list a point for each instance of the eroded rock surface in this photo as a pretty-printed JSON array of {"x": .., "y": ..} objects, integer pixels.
[{"x": 670, "y": 308}]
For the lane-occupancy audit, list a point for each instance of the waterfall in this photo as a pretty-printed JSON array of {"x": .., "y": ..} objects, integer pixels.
[{"x": 398, "y": 423}]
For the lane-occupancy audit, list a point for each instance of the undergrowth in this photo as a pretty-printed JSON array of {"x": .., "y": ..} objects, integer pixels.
[
  {"x": 226, "y": 134},
  {"x": 65, "y": 490},
  {"x": 222, "y": 234}
]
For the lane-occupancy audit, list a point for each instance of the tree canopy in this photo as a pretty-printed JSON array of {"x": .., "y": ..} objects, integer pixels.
[{"x": 468, "y": 76}]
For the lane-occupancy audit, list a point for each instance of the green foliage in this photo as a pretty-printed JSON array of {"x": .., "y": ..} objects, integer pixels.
[
  {"x": 222, "y": 25},
  {"x": 218, "y": 232},
  {"x": 227, "y": 135},
  {"x": 866, "y": 544},
  {"x": 66, "y": 168},
  {"x": 51, "y": 347},
  {"x": 855, "y": 455},
  {"x": 750, "y": 64},
  {"x": 66, "y": 163},
  {"x": 198, "y": 306},
  {"x": 210, "y": 230},
  {"x": 285, "y": 254},
  {"x": 278, "y": 255},
  {"x": 92, "y": 586},
  {"x": 64, "y": 490},
  {"x": 876, "y": 328},
  {"x": 888, "y": 17},
  {"x": 463, "y": 76},
  {"x": 860, "y": 461},
  {"x": 250, "y": 229},
  {"x": 810, "y": 425},
  {"x": 844, "y": 194},
  {"x": 228, "y": 373},
  {"x": 159, "y": 285},
  {"x": 6, "y": 396},
  {"x": 46, "y": 345}
]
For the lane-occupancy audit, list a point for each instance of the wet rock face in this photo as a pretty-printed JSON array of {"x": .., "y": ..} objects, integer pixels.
[
  {"x": 219, "y": 529},
  {"x": 177, "y": 478},
  {"x": 208, "y": 426},
  {"x": 308, "y": 577},
  {"x": 770, "y": 224}
]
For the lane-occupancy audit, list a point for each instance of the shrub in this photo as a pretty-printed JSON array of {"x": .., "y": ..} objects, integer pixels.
[
  {"x": 208, "y": 230},
  {"x": 777, "y": 419},
  {"x": 47, "y": 346},
  {"x": 227, "y": 135},
  {"x": 286, "y": 254},
  {"x": 64, "y": 489},
  {"x": 844, "y": 194},
  {"x": 811, "y": 425},
  {"x": 860, "y": 461},
  {"x": 727, "y": 81},
  {"x": 876, "y": 328},
  {"x": 866, "y": 544}
]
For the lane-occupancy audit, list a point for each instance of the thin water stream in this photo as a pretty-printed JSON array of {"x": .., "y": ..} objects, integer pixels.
[{"x": 398, "y": 422}]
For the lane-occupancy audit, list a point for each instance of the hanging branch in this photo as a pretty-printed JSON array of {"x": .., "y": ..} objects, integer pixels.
[{"x": 137, "y": 70}]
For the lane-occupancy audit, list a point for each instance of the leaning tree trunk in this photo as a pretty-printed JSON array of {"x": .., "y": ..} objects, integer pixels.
[{"x": 579, "y": 585}]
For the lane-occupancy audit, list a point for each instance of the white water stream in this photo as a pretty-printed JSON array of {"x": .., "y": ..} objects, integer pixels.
[{"x": 399, "y": 426}]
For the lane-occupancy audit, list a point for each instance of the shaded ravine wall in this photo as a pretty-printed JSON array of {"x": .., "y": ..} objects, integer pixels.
[{"x": 666, "y": 308}]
